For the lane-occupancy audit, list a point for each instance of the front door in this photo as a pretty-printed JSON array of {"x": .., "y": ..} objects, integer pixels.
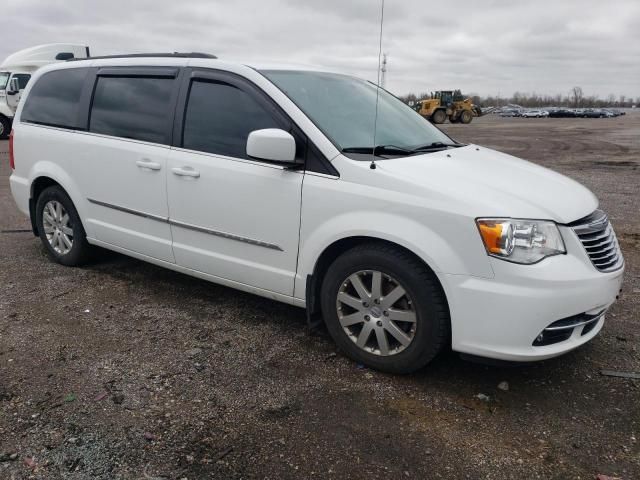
[
  {"x": 13, "y": 96},
  {"x": 232, "y": 217}
]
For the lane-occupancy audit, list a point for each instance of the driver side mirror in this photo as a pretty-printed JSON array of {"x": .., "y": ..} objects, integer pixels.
[
  {"x": 14, "y": 86},
  {"x": 272, "y": 144}
]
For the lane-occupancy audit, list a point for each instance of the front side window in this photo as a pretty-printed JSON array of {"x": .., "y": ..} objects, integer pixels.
[
  {"x": 54, "y": 99},
  {"x": 219, "y": 118},
  {"x": 344, "y": 108},
  {"x": 23, "y": 79},
  {"x": 132, "y": 107},
  {"x": 4, "y": 79}
]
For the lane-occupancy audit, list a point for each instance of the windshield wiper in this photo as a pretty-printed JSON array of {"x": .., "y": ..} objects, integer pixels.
[
  {"x": 379, "y": 150},
  {"x": 395, "y": 150},
  {"x": 437, "y": 145}
]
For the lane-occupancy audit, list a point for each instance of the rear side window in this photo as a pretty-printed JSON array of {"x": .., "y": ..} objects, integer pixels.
[
  {"x": 54, "y": 99},
  {"x": 133, "y": 107},
  {"x": 219, "y": 118}
]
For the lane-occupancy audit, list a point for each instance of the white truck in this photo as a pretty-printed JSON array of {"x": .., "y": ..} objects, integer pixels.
[{"x": 17, "y": 69}]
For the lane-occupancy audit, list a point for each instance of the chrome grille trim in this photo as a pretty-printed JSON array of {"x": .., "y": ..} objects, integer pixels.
[{"x": 599, "y": 241}]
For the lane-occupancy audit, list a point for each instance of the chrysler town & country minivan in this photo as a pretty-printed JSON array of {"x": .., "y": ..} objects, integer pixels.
[{"x": 270, "y": 179}]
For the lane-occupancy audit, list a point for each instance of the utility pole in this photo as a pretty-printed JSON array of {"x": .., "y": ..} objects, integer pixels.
[{"x": 383, "y": 77}]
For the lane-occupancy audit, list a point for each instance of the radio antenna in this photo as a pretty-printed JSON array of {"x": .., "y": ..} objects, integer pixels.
[{"x": 375, "y": 121}]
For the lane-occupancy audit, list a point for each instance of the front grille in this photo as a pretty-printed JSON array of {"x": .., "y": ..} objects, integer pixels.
[{"x": 599, "y": 241}]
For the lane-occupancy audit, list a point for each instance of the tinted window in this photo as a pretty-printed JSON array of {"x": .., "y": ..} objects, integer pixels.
[
  {"x": 219, "y": 118},
  {"x": 132, "y": 107},
  {"x": 55, "y": 97},
  {"x": 23, "y": 79},
  {"x": 4, "y": 79}
]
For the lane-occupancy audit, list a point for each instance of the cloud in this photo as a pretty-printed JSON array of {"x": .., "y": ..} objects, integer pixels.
[{"x": 487, "y": 47}]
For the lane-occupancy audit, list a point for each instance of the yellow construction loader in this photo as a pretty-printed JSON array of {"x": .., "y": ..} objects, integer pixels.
[{"x": 447, "y": 104}]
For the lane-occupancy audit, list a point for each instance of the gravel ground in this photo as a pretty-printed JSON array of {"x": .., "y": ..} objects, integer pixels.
[{"x": 127, "y": 371}]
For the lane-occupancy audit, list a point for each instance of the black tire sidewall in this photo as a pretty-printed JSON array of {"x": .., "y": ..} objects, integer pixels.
[
  {"x": 439, "y": 117},
  {"x": 6, "y": 130},
  {"x": 427, "y": 341},
  {"x": 80, "y": 249}
]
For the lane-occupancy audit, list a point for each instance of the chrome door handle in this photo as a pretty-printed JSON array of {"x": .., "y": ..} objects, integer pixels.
[
  {"x": 186, "y": 172},
  {"x": 146, "y": 163}
]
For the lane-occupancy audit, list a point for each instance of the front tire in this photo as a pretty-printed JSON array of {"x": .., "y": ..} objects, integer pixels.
[
  {"x": 60, "y": 228},
  {"x": 466, "y": 116},
  {"x": 5, "y": 128},
  {"x": 439, "y": 116},
  {"x": 384, "y": 308}
]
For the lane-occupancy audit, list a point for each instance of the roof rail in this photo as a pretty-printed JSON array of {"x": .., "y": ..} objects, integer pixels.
[{"x": 147, "y": 55}]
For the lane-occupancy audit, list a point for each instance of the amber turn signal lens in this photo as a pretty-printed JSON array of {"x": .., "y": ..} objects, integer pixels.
[{"x": 492, "y": 236}]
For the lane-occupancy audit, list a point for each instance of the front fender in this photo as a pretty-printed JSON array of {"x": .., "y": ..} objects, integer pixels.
[{"x": 452, "y": 248}]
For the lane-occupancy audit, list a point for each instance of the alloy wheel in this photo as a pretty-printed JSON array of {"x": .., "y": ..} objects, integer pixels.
[
  {"x": 376, "y": 312},
  {"x": 57, "y": 227}
]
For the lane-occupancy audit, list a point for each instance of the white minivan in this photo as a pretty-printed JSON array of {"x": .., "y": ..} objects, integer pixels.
[{"x": 270, "y": 179}]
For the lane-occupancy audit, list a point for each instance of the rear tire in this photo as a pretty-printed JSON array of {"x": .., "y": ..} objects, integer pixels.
[
  {"x": 5, "y": 128},
  {"x": 439, "y": 116},
  {"x": 60, "y": 228},
  {"x": 358, "y": 300},
  {"x": 466, "y": 116}
]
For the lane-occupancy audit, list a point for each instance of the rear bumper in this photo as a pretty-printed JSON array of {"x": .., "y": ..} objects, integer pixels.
[
  {"x": 502, "y": 317},
  {"x": 21, "y": 191}
]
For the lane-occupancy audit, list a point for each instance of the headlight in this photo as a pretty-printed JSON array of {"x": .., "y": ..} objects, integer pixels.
[{"x": 520, "y": 241}]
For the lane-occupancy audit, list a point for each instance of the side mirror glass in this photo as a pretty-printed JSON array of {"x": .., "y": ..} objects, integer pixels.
[
  {"x": 272, "y": 144},
  {"x": 14, "y": 86}
]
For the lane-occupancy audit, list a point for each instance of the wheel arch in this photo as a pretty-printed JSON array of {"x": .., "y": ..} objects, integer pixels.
[
  {"x": 332, "y": 251},
  {"x": 38, "y": 185},
  {"x": 49, "y": 176}
]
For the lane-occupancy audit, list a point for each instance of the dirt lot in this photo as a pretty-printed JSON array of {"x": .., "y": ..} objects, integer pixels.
[{"x": 124, "y": 370}]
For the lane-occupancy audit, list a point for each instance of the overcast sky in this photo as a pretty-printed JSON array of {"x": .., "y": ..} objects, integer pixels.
[{"x": 485, "y": 47}]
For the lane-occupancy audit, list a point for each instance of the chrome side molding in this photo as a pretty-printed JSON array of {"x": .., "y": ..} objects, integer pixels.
[{"x": 216, "y": 233}]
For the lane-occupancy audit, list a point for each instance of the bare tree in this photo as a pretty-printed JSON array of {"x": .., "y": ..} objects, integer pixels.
[
  {"x": 574, "y": 98},
  {"x": 576, "y": 95}
]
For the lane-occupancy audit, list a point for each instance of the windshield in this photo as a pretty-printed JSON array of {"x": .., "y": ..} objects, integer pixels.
[
  {"x": 344, "y": 108},
  {"x": 4, "y": 78}
]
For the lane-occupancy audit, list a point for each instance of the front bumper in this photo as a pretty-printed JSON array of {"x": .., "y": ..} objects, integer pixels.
[{"x": 502, "y": 317}]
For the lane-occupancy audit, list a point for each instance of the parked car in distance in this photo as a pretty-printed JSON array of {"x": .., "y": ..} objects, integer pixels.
[
  {"x": 562, "y": 113},
  {"x": 595, "y": 113},
  {"x": 535, "y": 114},
  {"x": 265, "y": 178}
]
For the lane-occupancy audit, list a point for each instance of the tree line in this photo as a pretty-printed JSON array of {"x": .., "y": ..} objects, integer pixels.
[{"x": 575, "y": 98}]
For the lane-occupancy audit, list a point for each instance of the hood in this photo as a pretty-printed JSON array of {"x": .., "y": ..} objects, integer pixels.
[{"x": 479, "y": 182}]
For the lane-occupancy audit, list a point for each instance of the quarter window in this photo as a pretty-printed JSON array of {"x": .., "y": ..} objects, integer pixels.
[
  {"x": 54, "y": 99},
  {"x": 132, "y": 107},
  {"x": 219, "y": 118}
]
